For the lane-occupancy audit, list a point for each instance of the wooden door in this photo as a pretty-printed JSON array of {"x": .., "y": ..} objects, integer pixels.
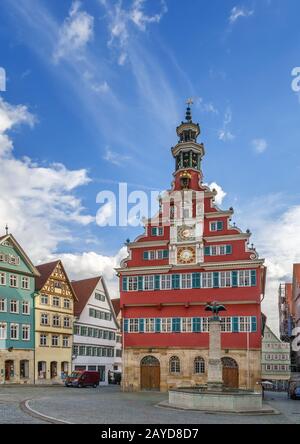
[
  {"x": 9, "y": 370},
  {"x": 230, "y": 373},
  {"x": 150, "y": 374}
]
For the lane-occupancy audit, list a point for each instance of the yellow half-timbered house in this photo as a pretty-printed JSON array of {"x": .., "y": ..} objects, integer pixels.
[{"x": 54, "y": 316}]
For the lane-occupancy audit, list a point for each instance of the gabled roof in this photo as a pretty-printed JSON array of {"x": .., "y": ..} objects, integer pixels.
[
  {"x": 46, "y": 271},
  {"x": 117, "y": 306},
  {"x": 18, "y": 247},
  {"x": 83, "y": 290}
]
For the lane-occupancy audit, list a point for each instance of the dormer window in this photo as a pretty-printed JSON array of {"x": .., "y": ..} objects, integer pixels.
[{"x": 216, "y": 226}]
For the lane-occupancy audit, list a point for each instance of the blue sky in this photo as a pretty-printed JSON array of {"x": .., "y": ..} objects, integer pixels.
[{"x": 99, "y": 87}]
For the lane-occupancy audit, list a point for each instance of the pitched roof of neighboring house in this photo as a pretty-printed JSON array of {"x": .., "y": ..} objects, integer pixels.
[
  {"x": 46, "y": 271},
  {"x": 83, "y": 290},
  {"x": 18, "y": 247},
  {"x": 117, "y": 306}
]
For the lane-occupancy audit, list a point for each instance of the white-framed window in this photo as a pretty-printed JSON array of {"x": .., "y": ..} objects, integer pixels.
[
  {"x": 186, "y": 280},
  {"x": 207, "y": 280},
  {"x": 132, "y": 283},
  {"x": 150, "y": 325},
  {"x": 44, "y": 299},
  {"x": 44, "y": 319},
  {"x": 56, "y": 321},
  {"x": 223, "y": 250},
  {"x": 14, "y": 306},
  {"x": 14, "y": 331},
  {"x": 205, "y": 325},
  {"x": 214, "y": 250},
  {"x": 3, "y": 305},
  {"x": 55, "y": 340},
  {"x": 13, "y": 280},
  {"x": 157, "y": 231},
  {"x": 3, "y": 330},
  {"x": 67, "y": 322},
  {"x": 199, "y": 366},
  {"x": 166, "y": 325},
  {"x": 100, "y": 297},
  {"x": 186, "y": 325},
  {"x": 25, "y": 283},
  {"x": 26, "y": 332},
  {"x": 165, "y": 282},
  {"x": 160, "y": 254},
  {"x": 56, "y": 301},
  {"x": 174, "y": 365},
  {"x": 225, "y": 279},
  {"x": 43, "y": 340},
  {"x": 25, "y": 308},
  {"x": 244, "y": 278},
  {"x": 148, "y": 282},
  {"x": 268, "y": 367},
  {"x": 66, "y": 341},
  {"x": 133, "y": 325},
  {"x": 216, "y": 226},
  {"x": 245, "y": 324},
  {"x": 226, "y": 325},
  {"x": 2, "y": 278},
  {"x": 151, "y": 255},
  {"x": 67, "y": 304}
]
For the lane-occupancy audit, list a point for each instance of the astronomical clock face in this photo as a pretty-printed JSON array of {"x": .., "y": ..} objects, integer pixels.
[
  {"x": 185, "y": 233},
  {"x": 186, "y": 255}
]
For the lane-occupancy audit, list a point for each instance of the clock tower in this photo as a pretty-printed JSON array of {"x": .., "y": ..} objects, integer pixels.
[{"x": 190, "y": 254}]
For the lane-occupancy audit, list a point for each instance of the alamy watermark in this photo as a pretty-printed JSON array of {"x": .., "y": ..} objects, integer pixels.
[
  {"x": 296, "y": 80},
  {"x": 2, "y": 79}
]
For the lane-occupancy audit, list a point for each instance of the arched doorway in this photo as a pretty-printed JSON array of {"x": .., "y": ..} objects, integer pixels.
[
  {"x": 230, "y": 373},
  {"x": 150, "y": 373}
]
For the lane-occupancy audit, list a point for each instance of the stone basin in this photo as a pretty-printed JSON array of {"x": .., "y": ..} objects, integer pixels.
[{"x": 226, "y": 400}]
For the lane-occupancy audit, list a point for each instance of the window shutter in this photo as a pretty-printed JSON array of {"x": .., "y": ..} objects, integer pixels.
[
  {"x": 253, "y": 278},
  {"x": 157, "y": 325},
  {"x": 234, "y": 278},
  {"x": 146, "y": 255},
  {"x": 197, "y": 325},
  {"x": 176, "y": 325},
  {"x": 176, "y": 281},
  {"x": 253, "y": 324},
  {"x": 235, "y": 325},
  {"x": 166, "y": 254},
  {"x": 157, "y": 282},
  {"x": 124, "y": 282},
  {"x": 207, "y": 251},
  {"x": 126, "y": 322},
  {"x": 228, "y": 249},
  {"x": 216, "y": 280},
  {"x": 220, "y": 226},
  {"x": 196, "y": 280},
  {"x": 154, "y": 231},
  {"x": 141, "y": 325},
  {"x": 140, "y": 283}
]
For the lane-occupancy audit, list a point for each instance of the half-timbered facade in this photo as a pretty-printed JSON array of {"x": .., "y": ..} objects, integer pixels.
[
  {"x": 54, "y": 315},
  {"x": 190, "y": 254}
]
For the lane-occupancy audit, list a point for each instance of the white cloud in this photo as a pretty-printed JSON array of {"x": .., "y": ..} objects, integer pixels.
[
  {"x": 259, "y": 145},
  {"x": 141, "y": 19},
  {"x": 238, "y": 12},
  {"x": 221, "y": 193},
  {"x": 225, "y": 135},
  {"x": 76, "y": 32},
  {"x": 115, "y": 158},
  {"x": 205, "y": 107},
  {"x": 37, "y": 202}
]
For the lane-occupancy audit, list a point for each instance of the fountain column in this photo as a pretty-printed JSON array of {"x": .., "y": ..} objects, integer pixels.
[{"x": 215, "y": 372}]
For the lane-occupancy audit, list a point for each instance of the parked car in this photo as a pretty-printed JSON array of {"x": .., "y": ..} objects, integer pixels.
[{"x": 83, "y": 379}]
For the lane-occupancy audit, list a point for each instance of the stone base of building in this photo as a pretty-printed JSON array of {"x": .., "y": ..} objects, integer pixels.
[
  {"x": 248, "y": 368},
  {"x": 16, "y": 367}
]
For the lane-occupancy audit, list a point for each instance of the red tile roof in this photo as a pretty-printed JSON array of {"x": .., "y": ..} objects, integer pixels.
[
  {"x": 116, "y": 305},
  {"x": 45, "y": 271},
  {"x": 83, "y": 290}
]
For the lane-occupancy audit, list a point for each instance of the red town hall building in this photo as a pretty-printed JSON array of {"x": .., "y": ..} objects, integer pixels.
[{"x": 189, "y": 255}]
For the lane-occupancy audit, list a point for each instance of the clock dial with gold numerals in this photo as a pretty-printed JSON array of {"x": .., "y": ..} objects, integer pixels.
[
  {"x": 185, "y": 233},
  {"x": 186, "y": 255}
]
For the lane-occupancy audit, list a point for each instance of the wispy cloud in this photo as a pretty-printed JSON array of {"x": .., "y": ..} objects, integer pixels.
[
  {"x": 225, "y": 134},
  {"x": 259, "y": 145},
  {"x": 238, "y": 12},
  {"x": 206, "y": 107},
  {"x": 115, "y": 158}
]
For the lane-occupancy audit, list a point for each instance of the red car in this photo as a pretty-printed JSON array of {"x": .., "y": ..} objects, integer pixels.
[{"x": 83, "y": 379}]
